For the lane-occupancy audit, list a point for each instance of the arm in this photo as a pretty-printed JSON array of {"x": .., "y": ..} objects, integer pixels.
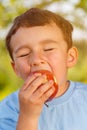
[
  {"x": 25, "y": 123},
  {"x": 31, "y": 100}
]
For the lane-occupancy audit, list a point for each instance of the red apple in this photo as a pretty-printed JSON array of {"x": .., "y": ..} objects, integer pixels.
[{"x": 49, "y": 76}]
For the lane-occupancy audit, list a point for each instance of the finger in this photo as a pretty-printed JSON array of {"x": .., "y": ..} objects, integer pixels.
[
  {"x": 29, "y": 80},
  {"x": 47, "y": 95},
  {"x": 42, "y": 89},
  {"x": 33, "y": 86},
  {"x": 37, "y": 83}
]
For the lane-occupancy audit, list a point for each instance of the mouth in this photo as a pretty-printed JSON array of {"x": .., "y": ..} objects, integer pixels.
[{"x": 41, "y": 70}]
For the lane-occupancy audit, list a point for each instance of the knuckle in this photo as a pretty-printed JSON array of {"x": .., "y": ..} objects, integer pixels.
[
  {"x": 23, "y": 96},
  {"x": 32, "y": 85},
  {"x": 40, "y": 90},
  {"x": 47, "y": 95}
]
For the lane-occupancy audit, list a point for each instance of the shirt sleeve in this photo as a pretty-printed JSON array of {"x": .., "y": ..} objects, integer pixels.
[{"x": 9, "y": 113}]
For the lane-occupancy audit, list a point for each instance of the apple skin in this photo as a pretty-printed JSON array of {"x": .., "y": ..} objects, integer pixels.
[{"x": 49, "y": 76}]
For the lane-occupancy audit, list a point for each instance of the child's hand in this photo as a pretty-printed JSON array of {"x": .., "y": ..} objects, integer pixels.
[{"x": 35, "y": 92}]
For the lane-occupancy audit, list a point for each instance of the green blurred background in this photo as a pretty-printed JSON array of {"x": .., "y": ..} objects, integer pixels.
[{"x": 73, "y": 10}]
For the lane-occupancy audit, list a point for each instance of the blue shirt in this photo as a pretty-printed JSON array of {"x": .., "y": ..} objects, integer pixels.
[{"x": 67, "y": 112}]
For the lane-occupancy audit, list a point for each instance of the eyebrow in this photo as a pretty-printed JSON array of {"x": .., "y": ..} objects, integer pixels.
[{"x": 49, "y": 41}]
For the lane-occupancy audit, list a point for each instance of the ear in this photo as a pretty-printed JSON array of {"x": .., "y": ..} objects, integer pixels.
[
  {"x": 72, "y": 57},
  {"x": 15, "y": 68}
]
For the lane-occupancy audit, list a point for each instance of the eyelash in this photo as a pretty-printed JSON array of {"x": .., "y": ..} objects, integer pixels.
[
  {"x": 48, "y": 49},
  {"x": 24, "y": 55}
]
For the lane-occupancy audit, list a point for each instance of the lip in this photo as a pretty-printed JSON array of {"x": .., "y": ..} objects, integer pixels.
[{"x": 38, "y": 69}]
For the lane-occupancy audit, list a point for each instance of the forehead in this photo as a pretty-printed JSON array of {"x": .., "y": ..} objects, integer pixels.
[
  {"x": 52, "y": 28},
  {"x": 36, "y": 34}
]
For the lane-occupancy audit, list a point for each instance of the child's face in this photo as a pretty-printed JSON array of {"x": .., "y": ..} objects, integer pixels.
[{"x": 40, "y": 47}]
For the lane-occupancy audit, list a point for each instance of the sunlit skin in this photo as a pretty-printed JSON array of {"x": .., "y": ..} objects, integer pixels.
[{"x": 37, "y": 48}]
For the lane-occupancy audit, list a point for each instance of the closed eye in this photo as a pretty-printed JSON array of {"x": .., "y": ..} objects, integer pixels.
[
  {"x": 23, "y": 55},
  {"x": 50, "y": 49}
]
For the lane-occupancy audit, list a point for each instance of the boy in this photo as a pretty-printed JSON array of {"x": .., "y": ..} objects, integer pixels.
[{"x": 41, "y": 40}]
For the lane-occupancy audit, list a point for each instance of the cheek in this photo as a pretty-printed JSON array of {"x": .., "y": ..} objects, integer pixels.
[
  {"x": 23, "y": 69},
  {"x": 58, "y": 60},
  {"x": 58, "y": 63}
]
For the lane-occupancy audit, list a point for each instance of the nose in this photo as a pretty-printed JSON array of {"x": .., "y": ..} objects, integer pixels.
[{"x": 37, "y": 59}]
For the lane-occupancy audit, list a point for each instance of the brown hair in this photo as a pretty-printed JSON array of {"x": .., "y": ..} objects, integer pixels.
[{"x": 39, "y": 17}]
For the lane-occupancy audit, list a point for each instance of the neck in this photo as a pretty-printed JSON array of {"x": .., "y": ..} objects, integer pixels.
[{"x": 63, "y": 89}]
